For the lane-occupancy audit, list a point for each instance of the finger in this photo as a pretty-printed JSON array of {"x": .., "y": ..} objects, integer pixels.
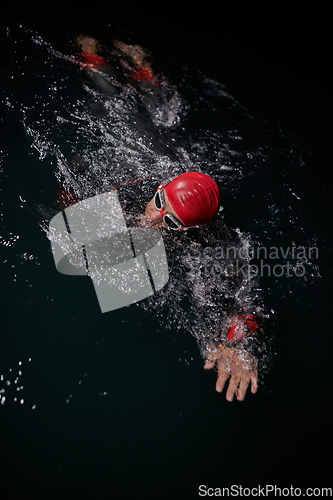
[
  {"x": 233, "y": 386},
  {"x": 221, "y": 379},
  {"x": 244, "y": 383},
  {"x": 209, "y": 364},
  {"x": 254, "y": 383}
]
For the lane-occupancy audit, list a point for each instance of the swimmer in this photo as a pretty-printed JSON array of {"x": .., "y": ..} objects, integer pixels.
[
  {"x": 89, "y": 53},
  {"x": 189, "y": 201},
  {"x": 187, "y": 205},
  {"x": 133, "y": 58},
  {"x": 90, "y": 56},
  {"x": 135, "y": 61}
]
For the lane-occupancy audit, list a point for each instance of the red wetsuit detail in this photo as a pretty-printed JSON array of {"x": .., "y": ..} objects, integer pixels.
[
  {"x": 143, "y": 74},
  {"x": 89, "y": 60},
  {"x": 241, "y": 326},
  {"x": 66, "y": 197}
]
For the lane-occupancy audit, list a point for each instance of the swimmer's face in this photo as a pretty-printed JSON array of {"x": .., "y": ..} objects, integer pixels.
[{"x": 155, "y": 218}]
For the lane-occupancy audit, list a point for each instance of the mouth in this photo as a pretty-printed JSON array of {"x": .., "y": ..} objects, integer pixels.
[
  {"x": 152, "y": 217},
  {"x": 149, "y": 222},
  {"x": 151, "y": 213}
]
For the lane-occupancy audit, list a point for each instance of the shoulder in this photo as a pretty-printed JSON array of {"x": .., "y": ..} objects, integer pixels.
[
  {"x": 221, "y": 230},
  {"x": 134, "y": 194},
  {"x": 217, "y": 233}
]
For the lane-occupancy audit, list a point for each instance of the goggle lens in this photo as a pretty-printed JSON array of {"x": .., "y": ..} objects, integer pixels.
[
  {"x": 171, "y": 222},
  {"x": 169, "y": 219},
  {"x": 158, "y": 201}
]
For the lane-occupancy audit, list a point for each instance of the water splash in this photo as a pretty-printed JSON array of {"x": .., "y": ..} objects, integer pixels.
[{"x": 10, "y": 385}]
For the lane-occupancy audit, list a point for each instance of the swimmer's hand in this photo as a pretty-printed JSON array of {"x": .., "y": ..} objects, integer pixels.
[
  {"x": 236, "y": 364},
  {"x": 129, "y": 50}
]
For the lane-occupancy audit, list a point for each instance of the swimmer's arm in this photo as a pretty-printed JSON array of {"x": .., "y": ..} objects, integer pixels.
[{"x": 234, "y": 363}]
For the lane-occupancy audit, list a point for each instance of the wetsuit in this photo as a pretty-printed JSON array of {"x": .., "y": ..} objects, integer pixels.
[
  {"x": 209, "y": 279},
  {"x": 209, "y": 291},
  {"x": 94, "y": 62},
  {"x": 91, "y": 61},
  {"x": 103, "y": 75},
  {"x": 143, "y": 75}
]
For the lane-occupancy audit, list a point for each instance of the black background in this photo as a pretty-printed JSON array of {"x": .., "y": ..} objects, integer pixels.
[{"x": 276, "y": 62}]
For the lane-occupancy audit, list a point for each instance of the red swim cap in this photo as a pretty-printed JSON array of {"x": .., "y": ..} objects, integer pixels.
[{"x": 195, "y": 197}]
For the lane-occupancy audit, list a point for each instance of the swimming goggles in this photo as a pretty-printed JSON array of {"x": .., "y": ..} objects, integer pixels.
[{"x": 168, "y": 219}]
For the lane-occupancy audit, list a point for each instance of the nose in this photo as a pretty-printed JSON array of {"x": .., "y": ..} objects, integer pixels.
[
  {"x": 154, "y": 215},
  {"x": 151, "y": 212}
]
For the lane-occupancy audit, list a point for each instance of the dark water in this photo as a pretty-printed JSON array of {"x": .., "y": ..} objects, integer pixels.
[{"x": 116, "y": 405}]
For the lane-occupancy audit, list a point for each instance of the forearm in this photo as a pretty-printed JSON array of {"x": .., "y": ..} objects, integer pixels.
[{"x": 238, "y": 330}]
